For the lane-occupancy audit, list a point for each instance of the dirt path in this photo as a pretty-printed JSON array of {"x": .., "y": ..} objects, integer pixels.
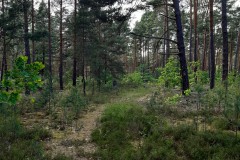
[{"x": 75, "y": 140}]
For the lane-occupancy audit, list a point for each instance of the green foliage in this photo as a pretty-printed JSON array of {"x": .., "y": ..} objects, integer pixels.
[
  {"x": 147, "y": 136},
  {"x": 17, "y": 142},
  {"x": 22, "y": 76},
  {"x": 133, "y": 120},
  {"x": 74, "y": 101},
  {"x": 170, "y": 74},
  {"x": 200, "y": 76},
  {"x": 173, "y": 100},
  {"x": 133, "y": 79}
]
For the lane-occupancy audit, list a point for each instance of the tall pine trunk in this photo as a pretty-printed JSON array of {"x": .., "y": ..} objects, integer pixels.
[
  {"x": 225, "y": 41},
  {"x": 181, "y": 47},
  {"x": 74, "y": 78},
  {"x": 4, "y": 57},
  {"x": 49, "y": 47},
  {"x": 26, "y": 38},
  {"x": 61, "y": 49},
  {"x": 33, "y": 30},
  {"x": 195, "y": 33},
  {"x": 212, "y": 50},
  {"x": 237, "y": 52},
  {"x": 190, "y": 38}
]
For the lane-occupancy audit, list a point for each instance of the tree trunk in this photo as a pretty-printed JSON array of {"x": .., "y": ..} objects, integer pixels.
[
  {"x": 61, "y": 50},
  {"x": 26, "y": 38},
  {"x": 135, "y": 54},
  {"x": 168, "y": 34},
  {"x": 225, "y": 41},
  {"x": 74, "y": 78},
  {"x": 181, "y": 47},
  {"x": 49, "y": 46},
  {"x": 204, "y": 63},
  {"x": 190, "y": 39},
  {"x": 237, "y": 52},
  {"x": 4, "y": 57},
  {"x": 195, "y": 33},
  {"x": 231, "y": 53},
  {"x": 33, "y": 30},
  {"x": 212, "y": 50}
]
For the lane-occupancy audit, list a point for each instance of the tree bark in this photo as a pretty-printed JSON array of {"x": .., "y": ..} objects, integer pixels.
[
  {"x": 26, "y": 38},
  {"x": 49, "y": 47},
  {"x": 225, "y": 41},
  {"x": 190, "y": 39},
  {"x": 237, "y": 52},
  {"x": 181, "y": 47},
  {"x": 74, "y": 78},
  {"x": 204, "y": 63},
  {"x": 61, "y": 50},
  {"x": 4, "y": 57},
  {"x": 212, "y": 50},
  {"x": 33, "y": 30},
  {"x": 195, "y": 33},
  {"x": 167, "y": 34},
  {"x": 231, "y": 53}
]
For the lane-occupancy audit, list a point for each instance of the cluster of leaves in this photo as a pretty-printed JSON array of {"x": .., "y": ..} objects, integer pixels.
[
  {"x": 170, "y": 74},
  {"x": 133, "y": 79},
  {"x": 22, "y": 76}
]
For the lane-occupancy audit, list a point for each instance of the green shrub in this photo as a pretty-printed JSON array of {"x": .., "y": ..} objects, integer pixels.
[
  {"x": 17, "y": 142},
  {"x": 134, "y": 79},
  {"x": 170, "y": 74},
  {"x": 74, "y": 101}
]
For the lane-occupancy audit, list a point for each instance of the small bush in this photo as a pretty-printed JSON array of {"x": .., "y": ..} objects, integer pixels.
[
  {"x": 170, "y": 74},
  {"x": 134, "y": 79}
]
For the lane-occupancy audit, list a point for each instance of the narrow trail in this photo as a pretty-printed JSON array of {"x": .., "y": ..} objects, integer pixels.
[{"x": 75, "y": 139}]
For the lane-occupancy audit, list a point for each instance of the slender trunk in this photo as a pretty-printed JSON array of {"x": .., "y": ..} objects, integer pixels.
[
  {"x": 43, "y": 56},
  {"x": 204, "y": 52},
  {"x": 26, "y": 38},
  {"x": 74, "y": 78},
  {"x": 33, "y": 30},
  {"x": 190, "y": 39},
  {"x": 225, "y": 41},
  {"x": 49, "y": 46},
  {"x": 167, "y": 34},
  {"x": 61, "y": 50},
  {"x": 181, "y": 47},
  {"x": 195, "y": 33},
  {"x": 83, "y": 62},
  {"x": 135, "y": 54},
  {"x": 4, "y": 57},
  {"x": 212, "y": 50},
  {"x": 148, "y": 54},
  {"x": 237, "y": 52},
  {"x": 231, "y": 53}
]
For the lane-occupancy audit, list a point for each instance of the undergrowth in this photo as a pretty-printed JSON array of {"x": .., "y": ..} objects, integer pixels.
[{"x": 128, "y": 131}]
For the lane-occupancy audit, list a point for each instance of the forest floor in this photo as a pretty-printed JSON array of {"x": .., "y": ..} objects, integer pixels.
[
  {"x": 137, "y": 123},
  {"x": 74, "y": 139}
]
